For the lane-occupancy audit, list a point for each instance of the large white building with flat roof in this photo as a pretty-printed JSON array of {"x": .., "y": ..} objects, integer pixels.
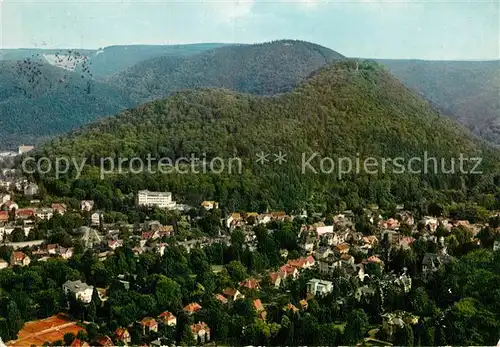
[{"x": 157, "y": 199}]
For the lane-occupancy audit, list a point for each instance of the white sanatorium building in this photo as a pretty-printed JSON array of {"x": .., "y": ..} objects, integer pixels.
[{"x": 159, "y": 199}]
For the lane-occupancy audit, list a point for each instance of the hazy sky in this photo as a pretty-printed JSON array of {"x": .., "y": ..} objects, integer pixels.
[{"x": 366, "y": 28}]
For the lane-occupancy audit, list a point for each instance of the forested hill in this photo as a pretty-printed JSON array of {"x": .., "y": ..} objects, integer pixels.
[
  {"x": 38, "y": 100},
  {"x": 60, "y": 100},
  {"x": 114, "y": 59},
  {"x": 260, "y": 69},
  {"x": 348, "y": 109},
  {"x": 467, "y": 91}
]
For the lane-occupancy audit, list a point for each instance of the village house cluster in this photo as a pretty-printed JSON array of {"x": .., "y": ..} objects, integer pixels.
[{"x": 329, "y": 248}]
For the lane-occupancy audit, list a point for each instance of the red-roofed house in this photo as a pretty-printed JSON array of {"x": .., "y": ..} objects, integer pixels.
[
  {"x": 201, "y": 332},
  {"x": 373, "y": 259},
  {"x": 250, "y": 284},
  {"x": 289, "y": 271},
  {"x": 168, "y": 318},
  {"x": 122, "y": 334},
  {"x": 60, "y": 208},
  {"x": 149, "y": 324},
  {"x": 343, "y": 248},
  {"x": 19, "y": 259},
  {"x": 25, "y": 213},
  {"x": 79, "y": 343},
  {"x": 221, "y": 298},
  {"x": 257, "y": 305},
  {"x": 275, "y": 278},
  {"x": 232, "y": 294},
  {"x": 192, "y": 308},
  {"x": 105, "y": 341},
  {"x": 4, "y": 216}
]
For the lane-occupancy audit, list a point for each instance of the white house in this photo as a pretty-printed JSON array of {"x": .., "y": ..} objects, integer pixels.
[
  {"x": 210, "y": 205},
  {"x": 158, "y": 199},
  {"x": 44, "y": 213},
  {"x": 87, "y": 205},
  {"x": 81, "y": 291},
  {"x": 319, "y": 287},
  {"x": 31, "y": 189},
  {"x": 96, "y": 218}
]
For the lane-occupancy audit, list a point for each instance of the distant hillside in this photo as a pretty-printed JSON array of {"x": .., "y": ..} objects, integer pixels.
[
  {"x": 61, "y": 106},
  {"x": 261, "y": 69},
  {"x": 344, "y": 110},
  {"x": 40, "y": 100},
  {"x": 114, "y": 59},
  {"x": 466, "y": 91},
  {"x": 109, "y": 60}
]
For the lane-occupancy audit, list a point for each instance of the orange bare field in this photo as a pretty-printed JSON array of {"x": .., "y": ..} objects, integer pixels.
[{"x": 46, "y": 330}]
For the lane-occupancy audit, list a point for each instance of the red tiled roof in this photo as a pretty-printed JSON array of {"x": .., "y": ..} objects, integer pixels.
[
  {"x": 18, "y": 256},
  {"x": 196, "y": 328},
  {"x": 221, "y": 298},
  {"x": 257, "y": 304},
  {"x": 192, "y": 307},
  {"x": 167, "y": 315},
  {"x": 148, "y": 322},
  {"x": 79, "y": 343},
  {"x": 105, "y": 341},
  {"x": 121, "y": 333},
  {"x": 250, "y": 284},
  {"x": 229, "y": 292},
  {"x": 4, "y": 216}
]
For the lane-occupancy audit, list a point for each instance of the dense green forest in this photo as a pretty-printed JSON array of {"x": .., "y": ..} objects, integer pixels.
[
  {"x": 348, "y": 109},
  {"x": 465, "y": 91},
  {"x": 38, "y": 100},
  {"x": 261, "y": 69}
]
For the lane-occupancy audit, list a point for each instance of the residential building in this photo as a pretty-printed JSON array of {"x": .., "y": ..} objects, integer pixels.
[
  {"x": 114, "y": 244},
  {"x": 4, "y": 216},
  {"x": 342, "y": 248},
  {"x": 232, "y": 294},
  {"x": 250, "y": 284},
  {"x": 44, "y": 213},
  {"x": 157, "y": 199},
  {"x": 275, "y": 278},
  {"x": 96, "y": 218},
  {"x": 60, "y": 208},
  {"x": 168, "y": 318},
  {"x": 25, "y": 213},
  {"x": 201, "y": 332},
  {"x": 24, "y": 149},
  {"x": 105, "y": 341},
  {"x": 87, "y": 205},
  {"x": 210, "y": 205},
  {"x": 257, "y": 305},
  {"x": 79, "y": 343},
  {"x": 123, "y": 335},
  {"x": 319, "y": 287},
  {"x": 80, "y": 290},
  {"x": 192, "y": 308},
  {"x": 65, "y": 253},
  {"x": 19, "y": 259},
  {"x": 3, "y": 264},
  {"x": 31, "y": 189},
  {"x": 221, "y": 298},
  {"x": 10, "y": 205},
  {"x": 149, "y": 324}
]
